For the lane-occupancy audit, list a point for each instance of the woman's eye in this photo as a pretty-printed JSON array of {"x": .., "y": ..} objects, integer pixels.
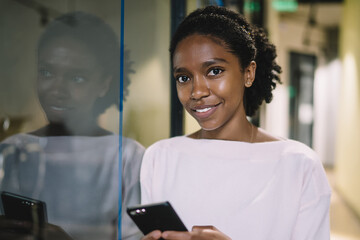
[
  {"x": 78, "y": 79},
  {"x": 182, "y": 79},
  {"x": 215, "y": 71}
]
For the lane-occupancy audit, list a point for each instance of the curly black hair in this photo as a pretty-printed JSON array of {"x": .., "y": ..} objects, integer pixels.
[
  {"x": 102, "y": 41},
  {"x": 247, "y": 42}
]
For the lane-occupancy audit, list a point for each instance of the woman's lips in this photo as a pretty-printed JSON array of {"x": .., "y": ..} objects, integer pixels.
[
  {"x": 205, "y": 111},
  {"x": 59, "y": 108}
]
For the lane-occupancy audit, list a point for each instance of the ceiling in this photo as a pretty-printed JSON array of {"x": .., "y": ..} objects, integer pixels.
[{"x": 324, "y": 14}]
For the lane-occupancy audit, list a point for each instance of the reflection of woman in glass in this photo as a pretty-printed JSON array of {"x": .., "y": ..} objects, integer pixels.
[
  {"x": 230, "y": 174},
  {"x": 72, "y": 163}
]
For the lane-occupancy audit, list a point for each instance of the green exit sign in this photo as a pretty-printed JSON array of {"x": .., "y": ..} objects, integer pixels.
[{"x": 285, "y": 5}]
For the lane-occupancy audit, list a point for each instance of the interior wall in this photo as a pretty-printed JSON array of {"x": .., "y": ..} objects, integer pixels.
[
  {"x": 147, "y": 37},
  {"x": 347, "y": 163},
  {"x": 18, "y": 64},
  {"x": 274, "y": 116}
]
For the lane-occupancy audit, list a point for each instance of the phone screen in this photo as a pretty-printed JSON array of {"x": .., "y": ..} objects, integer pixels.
[{"x": 158, "y": 216}]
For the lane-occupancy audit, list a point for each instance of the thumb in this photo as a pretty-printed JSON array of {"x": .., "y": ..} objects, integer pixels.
[{"x": 201, "y": 228}]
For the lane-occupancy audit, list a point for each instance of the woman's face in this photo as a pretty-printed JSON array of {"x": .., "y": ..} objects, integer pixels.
[
  {"x": 210, "y": 82},
  {"x": 69, "y": 81}
]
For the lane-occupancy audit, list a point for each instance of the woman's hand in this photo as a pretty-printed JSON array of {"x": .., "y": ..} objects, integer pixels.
[
  {"x": 54, "y": 232},
  {"x": 154, "y": 235},
  {"x": 13, "y": 229},
  {"x": 197, "y": 233}
]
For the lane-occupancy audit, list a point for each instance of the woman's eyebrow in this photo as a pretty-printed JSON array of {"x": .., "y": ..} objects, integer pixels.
[
  {"x": 214, "y": 61},
  {"x": 176, "y": 70},
  {"x": 80, "y": 69},
  {"x": 204, "y": 65}
]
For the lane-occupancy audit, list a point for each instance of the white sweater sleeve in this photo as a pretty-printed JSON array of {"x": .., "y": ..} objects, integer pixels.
[{"x": 146, "y": 175}]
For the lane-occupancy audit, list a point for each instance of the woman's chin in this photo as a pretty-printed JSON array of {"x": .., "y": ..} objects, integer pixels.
[{"x": 208, "y": 127}]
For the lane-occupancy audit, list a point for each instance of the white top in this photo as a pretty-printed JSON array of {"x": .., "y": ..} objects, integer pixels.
[
  {"x": 78, "y": 178},
  {"x": 270, "y": 191}
]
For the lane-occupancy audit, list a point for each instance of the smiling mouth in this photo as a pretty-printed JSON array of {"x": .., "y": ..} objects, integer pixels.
[
  {"x": 59, "y": 108},
  {"x": 203, "y": 109}
]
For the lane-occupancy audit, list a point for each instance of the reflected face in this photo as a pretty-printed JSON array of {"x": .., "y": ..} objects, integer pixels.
[
  {"x": 69, "y": 80},
  {"x": 210, "y": 82}
]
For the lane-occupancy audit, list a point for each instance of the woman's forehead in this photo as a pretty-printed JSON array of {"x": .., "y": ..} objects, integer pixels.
[
  {"x": 67, "y": 50},
  {"x": 201, "y": 48}
]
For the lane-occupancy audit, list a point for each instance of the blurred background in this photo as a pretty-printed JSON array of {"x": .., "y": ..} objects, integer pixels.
[{"x": 318, "y": 103}]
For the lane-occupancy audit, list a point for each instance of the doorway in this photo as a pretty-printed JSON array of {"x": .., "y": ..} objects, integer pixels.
[{"x": 302, "y": 69}]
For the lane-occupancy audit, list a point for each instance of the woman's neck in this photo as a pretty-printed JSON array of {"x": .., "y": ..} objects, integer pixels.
[
  {"x": 250, "y": 134},
  {"x": 60, "y": 129},
  {"x": 243, "y": 131}
]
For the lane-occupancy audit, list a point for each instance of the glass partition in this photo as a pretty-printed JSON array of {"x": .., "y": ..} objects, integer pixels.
[{"x": 59, "y": 118}]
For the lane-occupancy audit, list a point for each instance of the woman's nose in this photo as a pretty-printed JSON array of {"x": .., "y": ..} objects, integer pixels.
[
  {"x": 200, "y": 88},
  {"x": 59, "y": 86}
]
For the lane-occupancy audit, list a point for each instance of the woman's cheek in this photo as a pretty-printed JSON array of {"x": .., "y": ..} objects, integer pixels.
[{"x": 183, "y": 94}]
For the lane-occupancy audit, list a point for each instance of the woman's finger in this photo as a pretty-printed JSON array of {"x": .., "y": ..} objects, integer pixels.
[
  {"x": 199, "y": 228},
  {"x": 207, "y": 233},
  {"x": 154, "y": 235},
  {"x": 176, "y": 235},
  {"x": 10, "y": 223}
]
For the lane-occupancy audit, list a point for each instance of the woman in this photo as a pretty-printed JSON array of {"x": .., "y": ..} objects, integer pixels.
[
  {"x": 230, "y": 179},
  {"x": 72, "y": 163}
]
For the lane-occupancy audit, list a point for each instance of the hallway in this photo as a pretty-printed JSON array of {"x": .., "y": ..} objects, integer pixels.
[{"x": 344, "y": 224}]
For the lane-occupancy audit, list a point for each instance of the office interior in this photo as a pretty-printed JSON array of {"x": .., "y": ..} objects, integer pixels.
[{"x": 317, "y": 103}]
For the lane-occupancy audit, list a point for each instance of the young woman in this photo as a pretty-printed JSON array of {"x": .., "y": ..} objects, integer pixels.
[
  {"x": 72, "y": 163},
  {"x": 230, "y": 179}
]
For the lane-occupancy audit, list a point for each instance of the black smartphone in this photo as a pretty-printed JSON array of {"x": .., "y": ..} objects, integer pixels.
[
  {"x": 22, "y": 208},
  {"x": 157, "y": 216}
]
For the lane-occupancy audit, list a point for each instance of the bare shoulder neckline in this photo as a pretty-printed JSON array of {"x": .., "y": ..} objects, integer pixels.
[
  {"x": 262, "y": 136},
  {"x": 279, "y": 140}
]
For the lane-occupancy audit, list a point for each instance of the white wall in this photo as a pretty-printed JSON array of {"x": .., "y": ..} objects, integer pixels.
[{"x": 326, "y": 99}]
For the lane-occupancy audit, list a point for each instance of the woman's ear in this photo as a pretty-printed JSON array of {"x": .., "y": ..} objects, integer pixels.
[
  {"x": 105, "y": 86},
  {"x": 250, "y": 74}
]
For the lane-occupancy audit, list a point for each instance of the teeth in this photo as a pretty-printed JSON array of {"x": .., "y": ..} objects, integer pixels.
[
  {"x": 58, "y": 108},
  {"x": 203, "y": 110}
]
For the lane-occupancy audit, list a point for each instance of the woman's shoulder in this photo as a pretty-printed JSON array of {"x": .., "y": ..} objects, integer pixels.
[
  {"x": 282, "y": 145},
  {"x": 130, "y": 143},
  {"x": 263, "y": 136},
  {"x": 168, "y": 142},
  {"x": 132, "y": 150},
  {"x": 298, "y": 149},
  {"x": 174, "y": 144},
  {"x": 18, "y": 140},
  {"x": 276, "y": 148}
]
